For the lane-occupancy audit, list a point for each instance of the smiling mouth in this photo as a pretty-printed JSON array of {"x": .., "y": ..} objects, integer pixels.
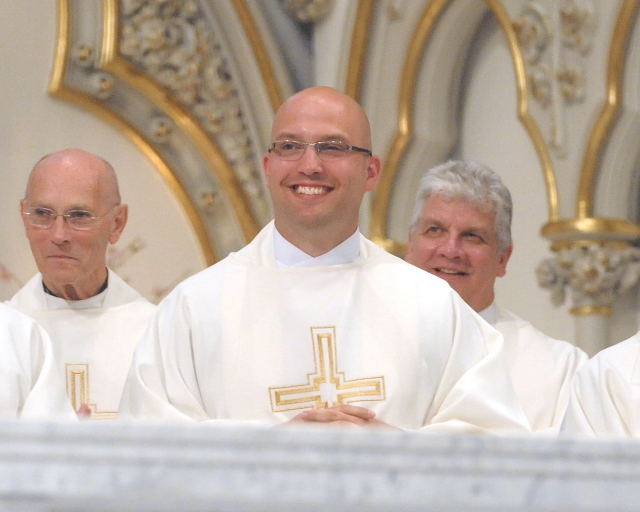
[
  {"x": 450, "y": 272},
  {"x": 311, "y": 191}
]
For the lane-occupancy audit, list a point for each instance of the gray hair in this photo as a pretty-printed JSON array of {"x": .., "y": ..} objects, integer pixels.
[{"x": 472, "y": 182}]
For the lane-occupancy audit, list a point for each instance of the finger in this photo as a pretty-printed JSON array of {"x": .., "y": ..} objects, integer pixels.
[
  {"x": 331, "y": 415},
  {"x": 354, "y": 410}
]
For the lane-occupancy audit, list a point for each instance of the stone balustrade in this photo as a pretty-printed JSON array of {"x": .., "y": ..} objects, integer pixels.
[{"x": 124, "y": 467}]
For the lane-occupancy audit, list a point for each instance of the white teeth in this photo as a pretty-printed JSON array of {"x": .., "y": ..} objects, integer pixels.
[
  {"x": 310, "y": 190},
  {"x": 447, "y": 271}
]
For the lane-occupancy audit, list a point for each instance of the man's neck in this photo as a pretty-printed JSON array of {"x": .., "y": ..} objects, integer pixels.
[
  {"x": 72, "y": 291},
  {"x": 317, "y": 242}
]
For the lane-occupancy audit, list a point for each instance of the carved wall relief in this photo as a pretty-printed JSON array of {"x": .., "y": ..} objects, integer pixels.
[
  {"x": 173, "y": 43},
  {"x": 163, "y": 73},
  {"x": 554, "y": 41},
  {"x": 596, "y": 274},
  {"x": 309, "y": 11}
]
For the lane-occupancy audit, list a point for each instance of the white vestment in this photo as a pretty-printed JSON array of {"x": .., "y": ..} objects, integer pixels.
[
  {"x": 541, "y": 370},
  {"x": 605, "y": 396},
  {"x": 30, "y": 387},
  {"x": 245, "y": 340},
  {"x": 93, "y": 340}
]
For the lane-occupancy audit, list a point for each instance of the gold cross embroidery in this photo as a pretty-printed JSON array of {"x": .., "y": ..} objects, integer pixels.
[
  {"x": 327, "y": 386},
  {"x": 78, "y": 391}
]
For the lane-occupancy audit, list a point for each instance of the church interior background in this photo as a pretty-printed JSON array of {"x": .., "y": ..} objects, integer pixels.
[{"x": 179, "y": 96}]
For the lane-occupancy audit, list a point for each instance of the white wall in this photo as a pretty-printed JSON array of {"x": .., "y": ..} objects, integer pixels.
[{"x": 492, "y": 134}]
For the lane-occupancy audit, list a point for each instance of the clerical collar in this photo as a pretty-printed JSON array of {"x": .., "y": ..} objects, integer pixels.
[
  {"x": 289, "y": 256},
  {"x": 55, "y": 302},
  {"x": 489, "y": 314}
]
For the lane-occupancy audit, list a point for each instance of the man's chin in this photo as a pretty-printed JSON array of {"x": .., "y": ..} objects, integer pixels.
[{"x": 61, "y": 277}]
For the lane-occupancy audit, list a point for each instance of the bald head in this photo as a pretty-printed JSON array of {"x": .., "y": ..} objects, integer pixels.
[
  {"x": 325, "y": 99},
  {"x": 79, "y": 162},
  {"x": 317, "y": 196},
  {"x": 62, "y": 187}
]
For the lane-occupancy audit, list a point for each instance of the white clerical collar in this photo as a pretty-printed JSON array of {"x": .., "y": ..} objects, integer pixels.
[
  {"x": 489, "y": 314},
  {"x": 55, "y": 303},
  {"x": 289, "y": 256}
]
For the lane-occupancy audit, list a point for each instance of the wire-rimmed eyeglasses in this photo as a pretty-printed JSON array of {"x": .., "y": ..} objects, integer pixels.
[
  {"x": 44, "y": 218},
  {"x": 294, "y": 149}
]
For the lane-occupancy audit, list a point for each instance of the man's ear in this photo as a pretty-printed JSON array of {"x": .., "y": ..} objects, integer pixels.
[
  {"x": 265, "y": 167},
  {"x": 373, "y": 172},
  {"x": 23, "y": 205},
  {"x": 119, "y": 222},
  {"x": 504, "y": 259}
]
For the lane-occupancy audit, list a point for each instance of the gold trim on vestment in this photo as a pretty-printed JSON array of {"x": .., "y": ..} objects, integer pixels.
[
  {"x": 325, "y": 360},
  {"x": 78, "y": 375}
]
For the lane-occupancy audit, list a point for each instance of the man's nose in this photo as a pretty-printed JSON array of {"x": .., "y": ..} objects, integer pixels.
[
  {"x": 310, "y": 161},
  {"x": 451, "y": 246},
  {"x": 60, "y": 229}
]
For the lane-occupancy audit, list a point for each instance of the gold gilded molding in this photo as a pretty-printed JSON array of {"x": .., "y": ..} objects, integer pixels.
[
  {"x": 111, "y": 61},
  {"x": 590, "y": 228},
  {"x": 358, "y": 51},
  {"x": 591, "y": 310},
  {"x": 264, "y": 62},
  {"x": 404, "y": 132},
  {"x": 391, "y": 246},
  {"x": 58, "y": 89},
  {"x": 604, "y": 124},
  {"x": 587, "y": 242}
]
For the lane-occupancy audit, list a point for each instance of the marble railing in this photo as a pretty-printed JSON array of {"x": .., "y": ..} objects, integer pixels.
[{"x": 108, "y": 467}]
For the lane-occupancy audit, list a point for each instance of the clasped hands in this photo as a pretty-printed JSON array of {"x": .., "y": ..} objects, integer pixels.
[{"x": 341, "y": 415}]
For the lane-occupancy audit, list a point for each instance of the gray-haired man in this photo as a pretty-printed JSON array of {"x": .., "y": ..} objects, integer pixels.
[{"x": 461, "y": 232}]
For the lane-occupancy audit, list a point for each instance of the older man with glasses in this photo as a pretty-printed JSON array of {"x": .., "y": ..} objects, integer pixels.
[
  {"x": 71, "y": 213},
  {"x": 311, "y": 322}
]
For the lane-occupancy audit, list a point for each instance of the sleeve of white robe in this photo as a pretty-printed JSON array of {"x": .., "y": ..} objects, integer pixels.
[
  {"x": 36, "y": 390},
  {"x": 475, "y": 392},
  {"x": 605, "y": 395},
  {"x": 164, "y": 349}
]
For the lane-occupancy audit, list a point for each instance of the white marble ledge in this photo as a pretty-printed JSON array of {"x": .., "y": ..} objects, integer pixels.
[{"x": 108, "y": 467}]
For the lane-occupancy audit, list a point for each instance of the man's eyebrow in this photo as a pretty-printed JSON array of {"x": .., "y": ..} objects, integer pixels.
[
  {"x": 325, "y": 138},
  {"x": 478, "y": 231},
  {"x": 431, "y": 220}
]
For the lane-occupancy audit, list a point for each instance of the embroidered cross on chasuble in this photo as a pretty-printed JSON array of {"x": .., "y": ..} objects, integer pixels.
[
  {"x": 326, "y": 386},
  {"x": 78, "y": 391}
]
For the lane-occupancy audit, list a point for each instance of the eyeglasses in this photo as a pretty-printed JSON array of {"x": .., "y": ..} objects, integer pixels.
[
  {"x": 77, "y": 219},
  {"x": 294, "y": 149}
]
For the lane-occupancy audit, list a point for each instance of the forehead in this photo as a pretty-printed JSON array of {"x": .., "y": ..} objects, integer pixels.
[
  {"x": 65, "y": 184},
  {"x": 457, "y": 212},
  {"x": 312, "y": 118}
]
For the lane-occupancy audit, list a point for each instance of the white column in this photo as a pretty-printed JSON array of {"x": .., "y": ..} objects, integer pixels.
[{"x": 592, "y": 332}]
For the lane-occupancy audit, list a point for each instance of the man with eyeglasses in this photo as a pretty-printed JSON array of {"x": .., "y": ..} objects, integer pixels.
[
  {"x": 71, "y": 213},
  {"x": 311, "y": 322},
  {"x": 461, "y": 232}
]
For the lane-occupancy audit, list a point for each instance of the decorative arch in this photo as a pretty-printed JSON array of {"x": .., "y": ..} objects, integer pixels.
[
  {"x": 406, "y": 109},
  {"x": 201, "y": 118}
]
